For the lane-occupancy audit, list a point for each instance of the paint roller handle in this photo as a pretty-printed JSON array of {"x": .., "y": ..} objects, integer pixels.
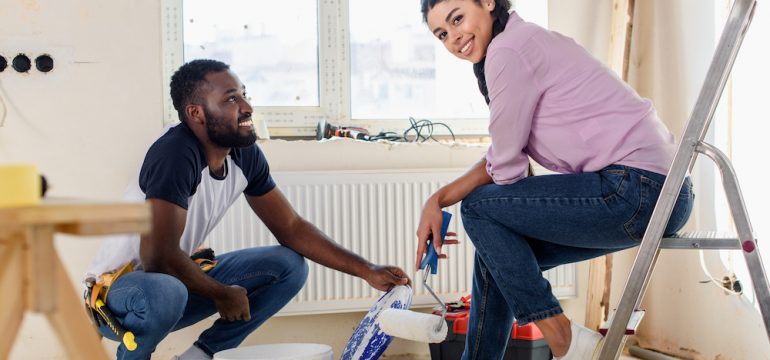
[{"x": 431, "y": 259}]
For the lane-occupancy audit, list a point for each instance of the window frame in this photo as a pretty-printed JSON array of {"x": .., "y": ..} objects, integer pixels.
[{"x": 334, "y": 84}]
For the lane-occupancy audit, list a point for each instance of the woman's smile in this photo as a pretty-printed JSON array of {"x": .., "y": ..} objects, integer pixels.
[{"x": 467, "y": 48}]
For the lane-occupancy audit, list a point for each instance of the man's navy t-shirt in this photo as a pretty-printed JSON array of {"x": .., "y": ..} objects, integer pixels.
[{"x": 175, "y": 170}]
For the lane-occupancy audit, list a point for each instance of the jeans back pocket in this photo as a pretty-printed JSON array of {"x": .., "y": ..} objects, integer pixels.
[
  {"x": 649, "y": 191},
  {"x": 648, "y": 196},
  {"x": 614, "y": 181}
]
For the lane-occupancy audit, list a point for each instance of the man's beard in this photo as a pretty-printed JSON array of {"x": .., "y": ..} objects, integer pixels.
[{"x": 221, "y": 136}]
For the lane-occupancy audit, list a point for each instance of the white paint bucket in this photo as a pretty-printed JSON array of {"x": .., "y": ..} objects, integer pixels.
[{"x": 278, "y": 352}]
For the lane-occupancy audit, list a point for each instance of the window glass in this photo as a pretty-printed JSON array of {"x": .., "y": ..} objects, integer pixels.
[
  {"x": 271, "y": 45},
  {"x": 398, "y": 69}
]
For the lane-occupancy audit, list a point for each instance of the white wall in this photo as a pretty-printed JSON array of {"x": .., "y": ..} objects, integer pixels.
[
  {"x": 87, "y": 123},
  {"x": 587, "y": 21}
]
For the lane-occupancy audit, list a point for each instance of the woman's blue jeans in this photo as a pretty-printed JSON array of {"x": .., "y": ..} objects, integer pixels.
[
  {"x": 151, "y": 305},
  {"x": 523, "y": 229}
]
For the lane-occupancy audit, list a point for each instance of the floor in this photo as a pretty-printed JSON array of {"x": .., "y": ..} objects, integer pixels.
[{"x": 414, "y": 357}]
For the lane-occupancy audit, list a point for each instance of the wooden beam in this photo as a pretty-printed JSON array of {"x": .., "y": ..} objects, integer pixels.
[
  {"x": 600, "y": 269},
  {"x": 12, "y": 304},
  {"x": 69, "y": 321},
  {"x": 597, "y": 274},
  {"x": 620, "y": 37},
  {"x": 39, "y": 254},
  {"x": 33, "y": 278}
]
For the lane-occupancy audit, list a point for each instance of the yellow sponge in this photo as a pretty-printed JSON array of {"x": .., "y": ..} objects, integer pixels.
[{"x": 19, "y": 185}]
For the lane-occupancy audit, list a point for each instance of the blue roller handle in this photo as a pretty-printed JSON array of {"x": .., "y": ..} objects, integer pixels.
[{"x": 432, "y": 258}]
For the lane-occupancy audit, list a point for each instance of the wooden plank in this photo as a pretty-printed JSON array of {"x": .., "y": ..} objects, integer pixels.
[
  {"x": 620, "y": 37},
  {"x": 63, "y": 212},
  {"x": 600, "y": 269},
  {"x": 605, "y": 302},
  {"x": 105, "y": 228},
  {"x": 9, "y": 234},
  {"x": 596, "y": 274},
  {"x": 70, "y": 322},
  {"x": 34, "y": 278},
  {"x": 12, "y": 300},
  {"x": 39, "y": 254}
]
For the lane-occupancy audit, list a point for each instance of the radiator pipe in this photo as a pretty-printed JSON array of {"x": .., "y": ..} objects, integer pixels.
[{"x": 647, "y": 354}]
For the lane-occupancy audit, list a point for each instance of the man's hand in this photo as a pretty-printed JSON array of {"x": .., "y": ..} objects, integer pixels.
[
  {"x": 233, "y": 304},
  {"x": 383, "y": 278}
]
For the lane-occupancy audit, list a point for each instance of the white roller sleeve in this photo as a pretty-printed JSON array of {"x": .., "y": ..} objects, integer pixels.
[{"x": 412, "y": 325}]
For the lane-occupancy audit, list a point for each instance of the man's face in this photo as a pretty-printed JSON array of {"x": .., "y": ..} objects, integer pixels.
[{"x": 227, "y": 111}]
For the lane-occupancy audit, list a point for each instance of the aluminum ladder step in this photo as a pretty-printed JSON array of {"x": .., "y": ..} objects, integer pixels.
[
  {"x": 705, "y": 240},
  {"x": 633, "y": 323}
]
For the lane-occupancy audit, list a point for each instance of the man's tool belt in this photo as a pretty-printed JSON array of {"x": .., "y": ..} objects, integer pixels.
[
  {"x": 98, "y": 289},
  {"x": 205, "y": 259},
  {"x": 96, "y": 300}
]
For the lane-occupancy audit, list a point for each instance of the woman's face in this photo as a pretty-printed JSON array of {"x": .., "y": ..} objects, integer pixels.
[{"x": 463, "y": 26}]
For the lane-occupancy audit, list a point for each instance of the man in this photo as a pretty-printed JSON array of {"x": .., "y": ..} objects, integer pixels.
[{"x": 191, "y": 175}]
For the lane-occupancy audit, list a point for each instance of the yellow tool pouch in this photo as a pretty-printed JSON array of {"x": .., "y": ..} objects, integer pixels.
[
  {"x": 205, "y": 259},
  {"x": 102, "y": 286},
  {"x": 96, "y": 300},
  {"x": 98, "y": 289}
]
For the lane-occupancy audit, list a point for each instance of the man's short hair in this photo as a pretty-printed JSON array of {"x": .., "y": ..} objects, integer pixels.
[{"x": 186, "y": 82}]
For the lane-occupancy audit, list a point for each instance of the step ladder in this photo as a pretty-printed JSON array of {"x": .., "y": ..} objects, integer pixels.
[{"x": 691, "y": 145}]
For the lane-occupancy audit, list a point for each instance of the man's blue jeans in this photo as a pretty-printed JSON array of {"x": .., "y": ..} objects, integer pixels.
[
  {"x": 151, "y": 305},
  {"x": 540, "y": 222}
]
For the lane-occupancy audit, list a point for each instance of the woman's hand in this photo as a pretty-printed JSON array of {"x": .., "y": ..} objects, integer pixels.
[
  {"x": 432, "y": 219},
  {"x": 430, "y": 224}
]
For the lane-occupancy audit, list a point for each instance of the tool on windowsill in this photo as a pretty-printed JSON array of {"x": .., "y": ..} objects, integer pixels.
[{"x": 414, "y": 325}]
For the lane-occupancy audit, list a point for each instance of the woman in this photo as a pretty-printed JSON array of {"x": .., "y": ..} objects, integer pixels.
[{"x": 550, "y": 101}]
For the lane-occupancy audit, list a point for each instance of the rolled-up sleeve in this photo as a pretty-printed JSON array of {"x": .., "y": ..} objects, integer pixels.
[{"x": 513, "y": 96}]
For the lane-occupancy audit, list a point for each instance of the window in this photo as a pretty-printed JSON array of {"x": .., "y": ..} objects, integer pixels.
[
  {"x": 271, "y": 45},
  {"x": 398, "y": 68},
  {"x": 335, "y": 60}
]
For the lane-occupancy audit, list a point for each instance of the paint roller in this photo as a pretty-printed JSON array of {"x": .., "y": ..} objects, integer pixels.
[{"x": 417, "y": 326}]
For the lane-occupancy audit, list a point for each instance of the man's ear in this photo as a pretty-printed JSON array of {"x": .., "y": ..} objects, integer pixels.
[{"x": 195, "y": 114}]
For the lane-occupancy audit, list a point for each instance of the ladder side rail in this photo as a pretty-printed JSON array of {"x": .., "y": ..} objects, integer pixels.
[
  {"x": 697, "y": 125},
  {"x": 743, "y": 228}
]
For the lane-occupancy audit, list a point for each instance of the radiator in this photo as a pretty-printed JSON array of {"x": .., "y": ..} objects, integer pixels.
[{"x": 374, "y": 214}]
